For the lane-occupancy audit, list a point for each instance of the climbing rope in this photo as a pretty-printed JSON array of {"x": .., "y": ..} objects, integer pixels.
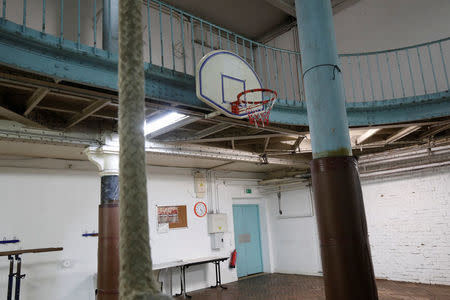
[{"x": 136, "y": 278}]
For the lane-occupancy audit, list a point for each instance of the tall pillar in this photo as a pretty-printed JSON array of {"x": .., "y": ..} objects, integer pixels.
[
  {"x": 344, "y": 243},
  {"x": 110, "y": 25},
  {"x": 107, "y": 161}
]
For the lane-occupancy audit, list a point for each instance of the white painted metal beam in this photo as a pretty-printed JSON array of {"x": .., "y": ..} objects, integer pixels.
[
  {"x": 401, "y": 134},
  {"x": 86, "y": 112},
  {"x": 366, "y": 135},
  {"x": 211, "y": 130},
  {"x": 13, "y": 116},
  {"x": 230, "y": 138},
  {"x": 34, "y": 100}
]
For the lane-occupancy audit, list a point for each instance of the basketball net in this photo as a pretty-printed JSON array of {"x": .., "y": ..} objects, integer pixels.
[{"x": 258, "y": 111}]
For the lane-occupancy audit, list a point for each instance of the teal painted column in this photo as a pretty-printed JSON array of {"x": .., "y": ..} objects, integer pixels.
[{"x": 344, "y": 243}]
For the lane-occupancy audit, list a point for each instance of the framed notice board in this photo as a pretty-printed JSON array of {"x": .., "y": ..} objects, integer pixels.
[{"x": 175, "y": 216}]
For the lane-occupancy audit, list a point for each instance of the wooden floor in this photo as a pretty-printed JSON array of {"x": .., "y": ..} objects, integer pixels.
[{"x": 284, "y": 287}]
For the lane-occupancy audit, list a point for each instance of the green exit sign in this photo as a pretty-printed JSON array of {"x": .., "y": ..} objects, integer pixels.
[{"x": 248, "y": 191}]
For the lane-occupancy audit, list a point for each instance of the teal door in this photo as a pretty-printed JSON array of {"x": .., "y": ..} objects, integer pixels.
[{"x": 247, "y": 238}]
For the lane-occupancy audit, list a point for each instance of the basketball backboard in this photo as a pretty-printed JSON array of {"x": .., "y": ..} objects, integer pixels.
[{"x": 220, "y": 76}]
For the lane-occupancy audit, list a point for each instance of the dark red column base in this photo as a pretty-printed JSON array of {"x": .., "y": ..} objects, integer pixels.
[
  {"x": 344, "y": 243},
  {"x": 108, "y": 252}
]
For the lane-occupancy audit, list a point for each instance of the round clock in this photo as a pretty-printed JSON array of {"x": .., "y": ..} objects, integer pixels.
[{"x": 200, "y": 209}]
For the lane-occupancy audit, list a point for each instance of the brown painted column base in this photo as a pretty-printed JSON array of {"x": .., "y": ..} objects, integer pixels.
[
  {"x": 108, "y": 252},
  {"x": 344, "y": 243}
]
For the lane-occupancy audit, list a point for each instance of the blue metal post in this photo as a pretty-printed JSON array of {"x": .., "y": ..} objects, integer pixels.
[
  {"x": 345, "y": 249},
  {"x": 322, "y": 79},
  {"x": 110, "y": 34}
]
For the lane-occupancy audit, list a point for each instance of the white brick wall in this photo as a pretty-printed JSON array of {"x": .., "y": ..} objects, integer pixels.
[{"x": 409, "y": 227}]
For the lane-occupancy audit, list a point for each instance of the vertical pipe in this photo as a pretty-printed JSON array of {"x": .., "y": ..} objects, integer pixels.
[
  {"x": 421, "y": 71},
  {"x": 10, "y": 277},
  {"x": 299, "y": 75},
  {"x": 379, "y": 75},
  {"x": 260, "y": 64},
  {"x": 361, "y": 79},
  {"x": 351, "y": 78},
  {"x": 193, "y": 46},
  {"x": 106, "y": 26},
  {"x": 161, "y": 35},
  {"x": 24, "y": 15},
  {"x": 203, "y": 41},
  {"x": 61, "y": 20},
  {"x": 443, "y": 64},
  {"x": 19, "y": 277},
  {"x": 410, "y": 73},
  {"x": 370, "y": 78},
  {"x": 171, "y": 38},
  {"x": 78, "y": 24},
  {"x": 43, "y": 15},
  {"x": 400, "y": 73},
  {"x": 182, "y": 41},
  {"x": 292, "y": 77},
  {"x": 432, "y": 68},
  {"x": 390, "y": 74},
  {"x": 345, "y": 250},
  {"x": 149, "y": 32}
]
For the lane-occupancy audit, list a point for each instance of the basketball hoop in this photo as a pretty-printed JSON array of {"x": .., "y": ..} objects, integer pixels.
[{"x": 258, "y": 111}]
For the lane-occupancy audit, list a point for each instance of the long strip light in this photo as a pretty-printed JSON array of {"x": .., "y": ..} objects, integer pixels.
[{"x": 162, "y": 122}]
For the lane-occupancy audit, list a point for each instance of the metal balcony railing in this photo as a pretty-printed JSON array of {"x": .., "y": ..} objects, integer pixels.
[{"x": 176, "y": 40}]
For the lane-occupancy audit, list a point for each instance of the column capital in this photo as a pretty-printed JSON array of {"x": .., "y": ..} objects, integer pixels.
[{"x": 106, "y": 158}]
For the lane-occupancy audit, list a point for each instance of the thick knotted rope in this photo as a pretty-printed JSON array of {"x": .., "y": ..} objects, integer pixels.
[{"x": 136, "y": 279}]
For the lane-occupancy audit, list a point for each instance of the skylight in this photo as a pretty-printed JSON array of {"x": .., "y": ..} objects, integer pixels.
[{"x": 162, "y": 122}]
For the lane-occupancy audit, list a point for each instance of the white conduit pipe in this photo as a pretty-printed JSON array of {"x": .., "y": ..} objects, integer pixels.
[{"x": 136, "y": 278}]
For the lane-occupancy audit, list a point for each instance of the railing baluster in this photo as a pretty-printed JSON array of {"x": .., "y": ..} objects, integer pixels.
[
  {"x": 211, "y": 37},
  {"x": 443, "y": 64},
  {"x": 379, "y": 76},
  {"x": 236, "y": 45},
  {"x": 370, "y": 78},
  {"x": 149, "y": 33},
  {"x": 61, "y": 19},
  {"x": 432, "y": 68},
  {"x": 284, "y": 77},
  {"x": 228, "y": 41},
  {"x": 161, "y": 35},
  {"x": 251, "y": 55},
  {"x": 182, "y": 41},
  {"x": 351, "y": 78},
  {"x": 421, "y": 71},
  {"x": 410, "y": 73},
  {"x": 390, "y": 74},
  {"x": 193, "y": 46},
  {"x": 43, "y": 15},
  {"x": 220, "y": 38},
  {"x": 269, "y": 82},
  {"x": 203, "y": 41},
  {"x": 245, "y": 48},
  {"x": 171, "y": 38},
  {"x": 260, "y": 64},
  {"x": 400, "y": 72},
  {"x": 300, "y": 79},
  {"x": 292, "y": 76},
  {"x": 24, "y": 15},
  {"x": 360, "y": 77},
  {"x": 95, "y": 26},
  {"x": 276, "y": 71},
  {"x": 4, "y": 10},
  {"x": 78, "y": 25}
]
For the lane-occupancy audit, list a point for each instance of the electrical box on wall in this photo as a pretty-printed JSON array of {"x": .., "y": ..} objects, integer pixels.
[
  {"x": 217, "y": 240},
  {"x": 199, "y": 184},
  {"x": 217, "y": 223}
]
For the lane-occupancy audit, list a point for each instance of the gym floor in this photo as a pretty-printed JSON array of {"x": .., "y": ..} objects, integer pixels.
[{"x": 286, "y": 286}]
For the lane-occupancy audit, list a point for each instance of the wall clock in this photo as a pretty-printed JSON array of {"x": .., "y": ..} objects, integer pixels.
[{"x": 200, "y": 209}]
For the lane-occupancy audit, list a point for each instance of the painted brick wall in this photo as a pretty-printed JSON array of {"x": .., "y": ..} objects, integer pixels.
[{"x": 409, "y": 227}]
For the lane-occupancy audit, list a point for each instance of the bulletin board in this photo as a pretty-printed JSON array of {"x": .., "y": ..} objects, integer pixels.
[{"x": 175, "y": 216}]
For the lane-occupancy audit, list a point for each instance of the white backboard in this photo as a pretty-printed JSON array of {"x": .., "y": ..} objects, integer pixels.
[{"x": 220, "y": 76}]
